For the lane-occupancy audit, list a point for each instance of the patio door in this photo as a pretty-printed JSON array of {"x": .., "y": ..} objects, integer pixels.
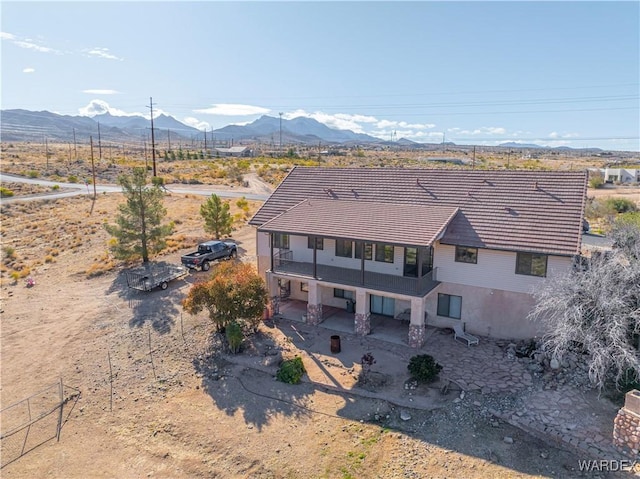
[{"x": 382, "y": 305}]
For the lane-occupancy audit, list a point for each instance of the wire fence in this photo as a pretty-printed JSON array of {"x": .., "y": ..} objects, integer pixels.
[{"x": 33, "y": 421}]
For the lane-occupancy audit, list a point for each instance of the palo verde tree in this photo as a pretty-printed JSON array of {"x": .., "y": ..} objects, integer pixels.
[
  {"x": 139, "y": 231},
  {"x": 597, "y": 309},
  {"x": 217, "y": 217},
  {"x": 234, "y": 293}
]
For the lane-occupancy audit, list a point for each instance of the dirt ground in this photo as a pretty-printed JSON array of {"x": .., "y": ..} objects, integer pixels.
[{"x": 159, "y": 398}]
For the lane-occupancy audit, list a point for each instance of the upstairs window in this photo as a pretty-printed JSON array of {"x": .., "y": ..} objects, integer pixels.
[
  {"x": 344, "y": 248},
  {"x": 531, "y": 264},
  {"x": 280, "y": 240},
  {"x": 319, "y": 242},
  {"x": 464, "y": 254},
  {"x": 368, "y": 250},
  {"x": 384, "y": 253}
]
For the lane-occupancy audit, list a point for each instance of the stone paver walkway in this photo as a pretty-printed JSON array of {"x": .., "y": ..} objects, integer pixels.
[{"x": 498, "y": 384}]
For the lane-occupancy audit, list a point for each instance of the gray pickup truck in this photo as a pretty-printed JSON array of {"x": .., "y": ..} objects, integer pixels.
[{"x": 208, "y": 252}]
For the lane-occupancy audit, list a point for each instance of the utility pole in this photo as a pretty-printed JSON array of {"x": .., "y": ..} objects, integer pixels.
[
  {"x": 93, "y": 169},
  {"x": 75, "y": 146},
  {"x": 205, "y": 140},
  {"x": 169, "y": 138},
  {"x": 99, "y": 143},
  {"x": 153, "y": 142},
  {"x": 280, "y": 134},
  {"x": 474, "y": 157},
  {"x": 46, "y": 150}
]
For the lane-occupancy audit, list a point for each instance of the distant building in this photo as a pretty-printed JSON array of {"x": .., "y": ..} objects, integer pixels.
[
  {"x": 235, "y": 151},
  {"x": 620, "y": 175}
]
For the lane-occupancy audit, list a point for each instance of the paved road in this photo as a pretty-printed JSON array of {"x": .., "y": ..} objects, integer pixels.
[{"x": 74, "y": 189}]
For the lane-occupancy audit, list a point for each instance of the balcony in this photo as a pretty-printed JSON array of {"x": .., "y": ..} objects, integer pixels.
[{"x": 283, "y": 264}]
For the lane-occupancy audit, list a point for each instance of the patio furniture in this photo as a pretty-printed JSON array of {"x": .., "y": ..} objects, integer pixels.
[{"x": 459, "y": 333}]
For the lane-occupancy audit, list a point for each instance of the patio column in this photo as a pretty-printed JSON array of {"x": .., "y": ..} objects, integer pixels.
[
  {"x": 362, "y": 319},
  {"x": 274, "y": 293},
  {"x": 314, "y": 304},
  {"x": 417, "y": 326}
]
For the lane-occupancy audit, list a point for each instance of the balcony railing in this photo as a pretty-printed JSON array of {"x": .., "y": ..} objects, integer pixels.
[{"x": 284, "y": 264}]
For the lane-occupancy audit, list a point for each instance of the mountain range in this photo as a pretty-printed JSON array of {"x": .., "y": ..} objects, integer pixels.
[{"x": 24, "y": 125}]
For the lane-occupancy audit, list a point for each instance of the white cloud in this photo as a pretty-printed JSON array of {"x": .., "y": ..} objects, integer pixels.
[
  {"x": 27, "y": 43},
  {"x": 233, "y": 109},
  {"x": 555, "y": 134},
  {"x": 484, "y": 130},
  {"x": 98, "y": 107},
  {"x": 195, "y": 123},
  {"x": 101, "y": 53},
  {"x": 28, "y": 70},
  {"x": 101, "y": 92}
]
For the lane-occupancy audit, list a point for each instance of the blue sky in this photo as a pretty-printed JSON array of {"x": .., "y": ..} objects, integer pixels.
[{"x": 551, "y": 73}]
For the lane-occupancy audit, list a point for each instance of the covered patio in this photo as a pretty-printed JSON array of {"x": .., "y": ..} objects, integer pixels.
[{"x": 384, "y": 328}]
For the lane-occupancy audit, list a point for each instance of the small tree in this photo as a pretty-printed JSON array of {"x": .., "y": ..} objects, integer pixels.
[
  {"x": 217, "y": 218},
  {"x": 235, "y": 292},
  {"x": 139, "y": 231},
  {"x": 597, "y": 308}
]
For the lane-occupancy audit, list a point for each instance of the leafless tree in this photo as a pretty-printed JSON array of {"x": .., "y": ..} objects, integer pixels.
[{"x": 596, "y": 308}]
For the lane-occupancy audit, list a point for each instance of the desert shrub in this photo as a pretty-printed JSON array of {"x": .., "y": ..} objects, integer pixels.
[
  {"x": 33, "y": 174},
  {"x": 234, "y": 335},
  {"x": 72, "y": 179},
  {"x": 9, "y": 251},
  {"x": 157, "y": 181},
  {"x": 5, "y": 192},
  {"x": 291, "y": 371},
  {"x": 55, "y": 187},
  {"x": 621, "y": 205},
  {"x": 423, "y": 368},
  {"x": 596, "y": 180}
]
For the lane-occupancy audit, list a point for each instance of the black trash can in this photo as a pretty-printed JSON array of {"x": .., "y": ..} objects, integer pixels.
[{"x": 335, "y": 344}]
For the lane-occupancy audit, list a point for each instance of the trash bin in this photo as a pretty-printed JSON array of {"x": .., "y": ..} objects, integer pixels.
[
  {"x": 350, "y": 306},
  {"x": 335, "y": 344}
]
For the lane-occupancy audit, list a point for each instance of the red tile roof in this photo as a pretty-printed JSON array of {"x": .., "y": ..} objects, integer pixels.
[
  {"x": 537, "y": 211},
  {"x": 404, "y": 224}
]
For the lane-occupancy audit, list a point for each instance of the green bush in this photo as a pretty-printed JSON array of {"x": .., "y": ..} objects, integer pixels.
[
  {"x": 621, "y": 205},
  {"x": 234, "y": 335},
  {"x": 291, "y": 371},
  {"x": 5, "y": 192},
  {"x": 33, "y": 174},
  {"x": 72, "y": 179},
  {"x": 55, "y": 187},
  {"x": 423, "y": 368}
]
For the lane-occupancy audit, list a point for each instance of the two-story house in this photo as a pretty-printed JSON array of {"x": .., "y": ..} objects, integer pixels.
[{"x": 451, "y": 246}]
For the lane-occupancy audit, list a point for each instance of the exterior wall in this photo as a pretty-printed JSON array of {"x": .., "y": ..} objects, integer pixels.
[
  {"x": 495, "y": 269},
  {"x": 263, "y": 252},
  {"x": 487, "y": 311}
]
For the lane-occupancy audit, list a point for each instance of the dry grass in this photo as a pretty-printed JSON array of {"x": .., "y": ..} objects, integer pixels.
[{"x": 38, "y": 233}]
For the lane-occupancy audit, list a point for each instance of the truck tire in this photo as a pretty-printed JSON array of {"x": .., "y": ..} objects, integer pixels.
[
  {"x": 164, "y": 285},
  {"x": 205, "y": 266},
  {"x": 234, "y": 254}
]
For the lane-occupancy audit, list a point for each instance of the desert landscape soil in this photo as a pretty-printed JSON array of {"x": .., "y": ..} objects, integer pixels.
[{"x": 151, "y": 392}]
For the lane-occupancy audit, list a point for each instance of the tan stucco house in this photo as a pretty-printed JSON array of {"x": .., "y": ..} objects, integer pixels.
[{"x": 438, "y": 246}]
